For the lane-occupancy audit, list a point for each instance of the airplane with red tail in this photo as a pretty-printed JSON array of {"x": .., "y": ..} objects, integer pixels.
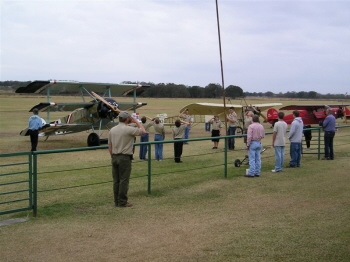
[{"x": 310, "y": 114}]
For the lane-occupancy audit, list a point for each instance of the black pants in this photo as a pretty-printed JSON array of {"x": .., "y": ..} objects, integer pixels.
[
  {"x": 308, "y": 136},
  {"x": 328, "y": 144},
  {"x": 178, "y": 151},
  {"x": 34, "y": 139}
]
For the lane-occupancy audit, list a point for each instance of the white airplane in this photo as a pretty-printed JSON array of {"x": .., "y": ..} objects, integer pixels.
[{"x": 205, "y": 111}]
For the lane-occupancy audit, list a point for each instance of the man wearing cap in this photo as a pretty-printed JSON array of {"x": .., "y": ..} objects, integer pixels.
[
  {"x": 120, "y": 145},
  {"x": 35, "y": 123},
  {"x": 185, "y": 116}
]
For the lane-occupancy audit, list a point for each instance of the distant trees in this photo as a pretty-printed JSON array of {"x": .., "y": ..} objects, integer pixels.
[
  {"x": 212, "y": 90},
  {"x": 234, "y": 91}
]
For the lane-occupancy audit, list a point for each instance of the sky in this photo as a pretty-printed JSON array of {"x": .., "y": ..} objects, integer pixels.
[{"x": 277, "y": 45}]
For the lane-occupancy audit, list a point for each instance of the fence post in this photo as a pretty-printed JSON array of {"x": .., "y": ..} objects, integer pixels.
[
  {"x": 35, "y": 183},
  {"x": 225, "y": 157},
  {"x": 149, "y": 168},
  {"x": 319, "y": 143}
]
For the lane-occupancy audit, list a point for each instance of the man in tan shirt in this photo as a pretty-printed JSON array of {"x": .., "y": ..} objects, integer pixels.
[{"x": 120, "y": 144}]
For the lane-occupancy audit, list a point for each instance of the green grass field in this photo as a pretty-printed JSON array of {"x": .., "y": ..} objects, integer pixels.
[{"x": 193, "y": 214}]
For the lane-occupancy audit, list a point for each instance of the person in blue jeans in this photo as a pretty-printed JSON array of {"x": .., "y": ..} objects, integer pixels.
[
  {"x": 279, "y": 142},
  {"x": 186, "y": 117},
  {"x": 159, "y": 135},
  {"x": 144, "y": 138},
  {"x": 256, "y": 132},
  {"x": 295, "y": 138},
  {"x": 232, "y": 125}
]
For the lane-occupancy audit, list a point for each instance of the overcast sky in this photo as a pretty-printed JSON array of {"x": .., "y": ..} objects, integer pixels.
[{"x": 276, "y": 46}]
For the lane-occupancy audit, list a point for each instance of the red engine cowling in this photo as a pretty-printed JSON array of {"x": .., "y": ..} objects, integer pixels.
[{"x": 272, "y": 116}]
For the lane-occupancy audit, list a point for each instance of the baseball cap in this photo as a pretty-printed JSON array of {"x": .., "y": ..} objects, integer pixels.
[{"x": 124, "y": 114}]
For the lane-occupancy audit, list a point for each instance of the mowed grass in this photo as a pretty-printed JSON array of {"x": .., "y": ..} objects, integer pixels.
[{"x": 193, "y": 214}]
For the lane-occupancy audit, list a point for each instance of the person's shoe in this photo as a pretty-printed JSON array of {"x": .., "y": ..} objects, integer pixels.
[
  {"x": 290, "y": 166},
  {"x": 126, "y": 205},
  {"x": 275, "y": 171},
  {"x": 256, "y": 175},
  {"x": 326, "y": 158},
  {"x": 248, "y": 176}
]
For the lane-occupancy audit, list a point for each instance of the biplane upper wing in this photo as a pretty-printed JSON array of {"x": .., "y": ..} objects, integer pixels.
[
  {"x": 73, "y": 87},
  {"x": 207, "y": 108},
  {"x": 263, "y": 107},
  {"x": 217, "y": 109},
  {"x": 310, "y": 107}
]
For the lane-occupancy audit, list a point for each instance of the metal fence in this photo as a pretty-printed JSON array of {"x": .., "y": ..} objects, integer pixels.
[{"x": 19, "y": 173}]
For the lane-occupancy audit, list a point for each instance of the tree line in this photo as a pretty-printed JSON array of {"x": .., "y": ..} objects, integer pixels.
[{"x": 212, "y": 90}]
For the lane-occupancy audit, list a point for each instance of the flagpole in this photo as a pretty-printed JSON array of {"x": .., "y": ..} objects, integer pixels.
[{"x": 221, "y": 64}]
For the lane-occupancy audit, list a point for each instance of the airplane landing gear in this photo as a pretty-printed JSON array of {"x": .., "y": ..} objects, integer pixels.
[{"x": 93, "y": 140}]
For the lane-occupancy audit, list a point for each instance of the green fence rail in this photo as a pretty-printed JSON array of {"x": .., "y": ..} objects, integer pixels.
[
  {"x": 16, "y": 184},
  {"x": 26, "y": 177}
]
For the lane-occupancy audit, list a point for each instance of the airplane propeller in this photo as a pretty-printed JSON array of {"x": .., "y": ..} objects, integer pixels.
[{"x": 115, "y": 109}]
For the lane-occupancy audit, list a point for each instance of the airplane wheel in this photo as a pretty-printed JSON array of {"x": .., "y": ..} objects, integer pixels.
[
  {"x": 93, "y": 140},
  {"x": 237, "y": 163},
  {"x": 239, "y": 130}
]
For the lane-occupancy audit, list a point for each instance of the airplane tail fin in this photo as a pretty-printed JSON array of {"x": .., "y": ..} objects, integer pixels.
[{"x": 272, "y": 115}]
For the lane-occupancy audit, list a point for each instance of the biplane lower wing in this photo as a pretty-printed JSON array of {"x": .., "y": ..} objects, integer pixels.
[
  {"x": 63, "y": 129},
  {"x": 60, "y": 107}
]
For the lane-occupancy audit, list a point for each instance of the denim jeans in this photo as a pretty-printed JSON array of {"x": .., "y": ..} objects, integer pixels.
[
  {"x": 231, "y": 141},
  {"x": 254, "y": 158},
  {"x": 143, "y": 148},
  {"x": 187, "y": 132},
  {"x": 279, "y": 154},
  {"x": 158, "y": 147},
  {"x": 295, "y": 154},
  {"x": 328, "y": 144}
]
